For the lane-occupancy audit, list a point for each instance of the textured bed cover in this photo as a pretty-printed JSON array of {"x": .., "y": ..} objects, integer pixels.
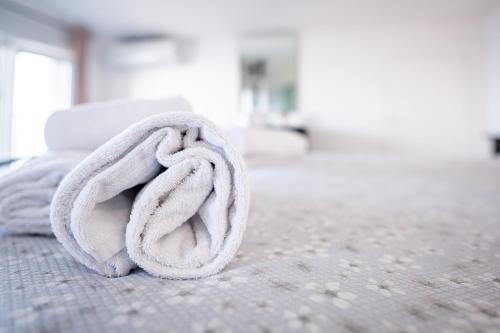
[{"x": 334, "y": 243}]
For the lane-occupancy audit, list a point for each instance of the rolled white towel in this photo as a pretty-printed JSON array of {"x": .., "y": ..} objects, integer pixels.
[
  {"x": 186, "y": 222},
  {"x": 88, "y": 126},
  {"x": 26, "y": 193}
]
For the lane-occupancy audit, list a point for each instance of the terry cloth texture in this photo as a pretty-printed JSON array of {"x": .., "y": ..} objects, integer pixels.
[{"x": 168, "y": 194}]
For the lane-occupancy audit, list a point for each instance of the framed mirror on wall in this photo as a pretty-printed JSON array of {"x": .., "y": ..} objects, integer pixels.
[{"x": 268, "y": 87}]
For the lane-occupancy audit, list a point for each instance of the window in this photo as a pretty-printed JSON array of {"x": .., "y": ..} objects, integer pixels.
[
  {"x": 41, "y": 85},
  {"x": 37, "y": 81}
]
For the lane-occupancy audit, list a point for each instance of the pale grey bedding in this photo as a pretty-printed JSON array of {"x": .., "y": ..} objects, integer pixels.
[{"x": 353, "y": 244}]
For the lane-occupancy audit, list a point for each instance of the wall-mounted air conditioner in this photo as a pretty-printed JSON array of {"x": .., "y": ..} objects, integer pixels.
[{"x": 135, "y": 53}]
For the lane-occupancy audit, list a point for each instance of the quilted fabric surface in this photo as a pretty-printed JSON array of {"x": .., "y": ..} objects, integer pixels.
[{"x": 348, "y": 244}]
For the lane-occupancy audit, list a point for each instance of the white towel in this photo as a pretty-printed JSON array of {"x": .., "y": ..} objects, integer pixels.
[
  {"x": 88, "y": 126},
  {"x": 26, "y": 193},
  {"x": 186, "y": 222}
]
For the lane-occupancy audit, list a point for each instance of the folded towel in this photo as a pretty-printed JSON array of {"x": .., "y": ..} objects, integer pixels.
[
  {"x": 187, "y": 220},
  {"x": 88, "y": 126},
  {"x": 26, "y": 193}
]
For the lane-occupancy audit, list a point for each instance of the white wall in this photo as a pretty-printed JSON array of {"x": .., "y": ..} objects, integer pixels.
[
  {"x": 207, "y": 76},
  {"x": 208, "y": 79},
  {"x": 407, "y": 88},
  {"x": 104, "y": 82},
  {"x": 412, "y": 88},
  {"x": 492, "y": 40}
]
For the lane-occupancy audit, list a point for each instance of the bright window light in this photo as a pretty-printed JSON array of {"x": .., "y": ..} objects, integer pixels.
[{"x": 42, "y": 85}]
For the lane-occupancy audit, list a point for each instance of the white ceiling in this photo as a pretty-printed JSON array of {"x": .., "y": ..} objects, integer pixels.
[{"x": 202, "y": 17}]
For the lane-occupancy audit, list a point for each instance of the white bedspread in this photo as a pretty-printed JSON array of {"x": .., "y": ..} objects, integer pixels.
[{"x": 334, "y": 244}]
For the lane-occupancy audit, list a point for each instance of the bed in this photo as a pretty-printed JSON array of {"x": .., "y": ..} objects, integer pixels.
[{"x": 334, "y": 243}]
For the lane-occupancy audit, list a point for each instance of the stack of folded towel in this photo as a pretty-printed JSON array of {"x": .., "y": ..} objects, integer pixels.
[
  {"x": 169, "y": 193},
  {"x": 26, "y": 192}
]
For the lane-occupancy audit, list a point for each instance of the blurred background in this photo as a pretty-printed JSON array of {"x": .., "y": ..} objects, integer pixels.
[{"x": 388, "y": 76}]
